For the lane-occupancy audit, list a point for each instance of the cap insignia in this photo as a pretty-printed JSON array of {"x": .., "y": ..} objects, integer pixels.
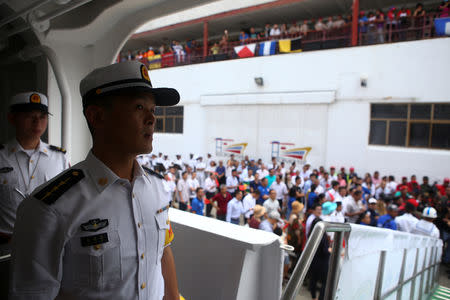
[{"x": 35, "y": 98}]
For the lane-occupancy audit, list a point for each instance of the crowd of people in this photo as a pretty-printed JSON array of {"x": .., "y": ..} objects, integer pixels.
[
  {"x": 373, "y": 28},
  {"x": 288, "y": 199}
]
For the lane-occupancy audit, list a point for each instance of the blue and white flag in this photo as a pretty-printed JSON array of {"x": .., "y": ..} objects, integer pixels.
[{"x": 267, "y": 48}]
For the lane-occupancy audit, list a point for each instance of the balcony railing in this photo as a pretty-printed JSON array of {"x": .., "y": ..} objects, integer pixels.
[{"x": 388, "y": 31}]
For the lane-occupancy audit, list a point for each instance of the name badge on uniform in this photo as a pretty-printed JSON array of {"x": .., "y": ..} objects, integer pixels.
[
  {"x": 94, "y": 225},
  {"x": 92, "y": 240},
  {"x": 6, "y": 170}
]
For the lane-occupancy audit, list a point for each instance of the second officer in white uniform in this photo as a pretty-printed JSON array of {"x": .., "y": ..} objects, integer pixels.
[
  {"x": 26, "y": 162},
  {"x": 101, "y": 229}
]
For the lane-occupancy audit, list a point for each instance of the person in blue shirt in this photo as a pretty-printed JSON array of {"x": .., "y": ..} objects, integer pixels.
[
  {"x": 220, "y": 170},
  {"x": 312, "y": 196},
  {"x": 263, "y": 192},
  {"x": 271, "y": 177},
  {"x": 243, "y": 37},
  {"x": 388, "y": 220},
  {"x": 254, "y": 185},
  {"x": 197, "y": 203},
  {"x": 364, "y": 219}
]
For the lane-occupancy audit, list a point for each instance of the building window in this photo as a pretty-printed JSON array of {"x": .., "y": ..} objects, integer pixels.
[
  {"x": 169, "y": 119},
  {"x": 410, "y": 125}
]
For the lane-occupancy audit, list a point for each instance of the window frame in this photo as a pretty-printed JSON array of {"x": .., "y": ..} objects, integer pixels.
[
  {"x": 164, "y": 117},
  {"x": 431, "y": 121}
]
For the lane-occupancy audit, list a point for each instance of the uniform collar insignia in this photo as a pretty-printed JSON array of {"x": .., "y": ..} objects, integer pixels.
[
  {"x": 101, "y": 175},
  {"x": 94, "y": 225}
]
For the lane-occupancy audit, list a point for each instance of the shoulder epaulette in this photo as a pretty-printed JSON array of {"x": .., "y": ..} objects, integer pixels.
[
  {"x": 59, "y": 149},
  {"x": 59, "y": 186},
  {"x": 151, "y": 172}
]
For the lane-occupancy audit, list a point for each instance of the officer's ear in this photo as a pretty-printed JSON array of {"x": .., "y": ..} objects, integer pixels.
[
  {"x": 12, "y": 117},
  {"x": 95, "y": 116}
]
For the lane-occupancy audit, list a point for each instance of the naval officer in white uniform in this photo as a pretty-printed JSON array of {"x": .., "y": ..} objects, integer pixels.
[
  {"x": 101, "y": 229},
  {"x": 26, "y": 162}
]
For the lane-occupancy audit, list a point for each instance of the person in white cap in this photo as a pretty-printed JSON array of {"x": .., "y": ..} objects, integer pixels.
[
  {"x": 101, "y": 229},
  {"x": 425, "y": 226},
  {"x": 26, "y": 162}
]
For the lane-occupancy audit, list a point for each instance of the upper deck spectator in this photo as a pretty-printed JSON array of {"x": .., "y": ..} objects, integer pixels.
[{"x": 275, "y": 31}]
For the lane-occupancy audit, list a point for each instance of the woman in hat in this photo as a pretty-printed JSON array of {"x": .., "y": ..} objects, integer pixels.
[
  {"x": 296, "y": 232},
  {"x": 255, "y": 220}
]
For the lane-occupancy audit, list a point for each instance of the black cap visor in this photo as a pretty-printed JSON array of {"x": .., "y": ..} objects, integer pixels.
[{"x": 27, "y": 107}]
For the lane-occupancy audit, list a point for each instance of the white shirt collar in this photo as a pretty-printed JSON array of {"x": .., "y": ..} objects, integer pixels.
[{"x": 102, "y": 176}]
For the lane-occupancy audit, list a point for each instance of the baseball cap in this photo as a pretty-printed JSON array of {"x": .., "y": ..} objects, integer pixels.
[
  {"x": 28, "y": 101},
  {"x": 372, "y": 201},
  {"x": 446, "y": 179},
  {"x": 392, "y": 207},
  {"x": 124, "y": 76}
]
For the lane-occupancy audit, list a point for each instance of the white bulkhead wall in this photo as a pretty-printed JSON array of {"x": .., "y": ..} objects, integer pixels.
[{"x": 311, "y": 99}]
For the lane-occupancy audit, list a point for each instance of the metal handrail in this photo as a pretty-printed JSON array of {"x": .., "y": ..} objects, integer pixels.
[{"x": 303, "y": 264}]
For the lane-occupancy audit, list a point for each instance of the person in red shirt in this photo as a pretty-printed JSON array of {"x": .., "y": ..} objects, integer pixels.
[
  {"x": 220, "y": 202},
  {"x": 403, "y": 184},
  {"x": 441, "y": 187}
]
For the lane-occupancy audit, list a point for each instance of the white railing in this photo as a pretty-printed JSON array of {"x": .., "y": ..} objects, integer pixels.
[{"x": 377, "y": 264}]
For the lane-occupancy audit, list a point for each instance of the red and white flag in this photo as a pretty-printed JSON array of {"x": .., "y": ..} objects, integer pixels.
[{"x": 245, "y": 50}]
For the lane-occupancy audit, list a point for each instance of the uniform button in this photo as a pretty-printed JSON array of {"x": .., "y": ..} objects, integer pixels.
[
  {"x": 134, "y": 196},
  {"x": 139, "y": 224},
  {"x": 143, "y": 285},
  {"x": 142, "y": 256},
  {"x": 97, "y": 247},
  {"x": 31, "y": 161},
  {"x": 32, "y": 177},
  {"x": 167, "y": 222}
]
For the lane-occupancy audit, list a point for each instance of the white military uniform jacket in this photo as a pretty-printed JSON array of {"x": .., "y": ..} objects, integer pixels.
[
  {"x": 89, "y": 234},
  {"x": 21, "y": 173}
]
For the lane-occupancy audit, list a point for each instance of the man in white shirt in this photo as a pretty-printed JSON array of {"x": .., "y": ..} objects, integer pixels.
[
  {"x": 354, "y": 207},
  {"x": 275, "y": 31},
  {"x": 332, "y": 193},
  {"x": 191, "y": 162},
  {"x": 263, "y": 172},
  {"x": 166, "y": 162},
  {"x": 26, "y": 162},
  {"x": 235, "y": 209},
  {"x": 210, "y": 190},
  {"x": 407, "y": 221},
  {"x": 193, "y": 185},
  {"x": 426, "y": 226},
  {"x": 232, "y": 182},
  {"x": 169, "y": 187},
  {"x": 338, "y": 215},
  {"x": 101, "y": 229},
  {"x": 178, "y": 162},
  {"x": 391, "y": 185},
  {"x": 272, "y": 204},
  {"x": 281, "y": 191},
  {"x": 306, "y": 172},
  {"x": 200, "y": 169},
  {"x": 249, "y": 203},
  {"x": 316, "y": 213},
  {"x": 273, "y": 164}
]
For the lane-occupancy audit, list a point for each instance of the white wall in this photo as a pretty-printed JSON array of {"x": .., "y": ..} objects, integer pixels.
[{"x": 311, "y": 99}]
